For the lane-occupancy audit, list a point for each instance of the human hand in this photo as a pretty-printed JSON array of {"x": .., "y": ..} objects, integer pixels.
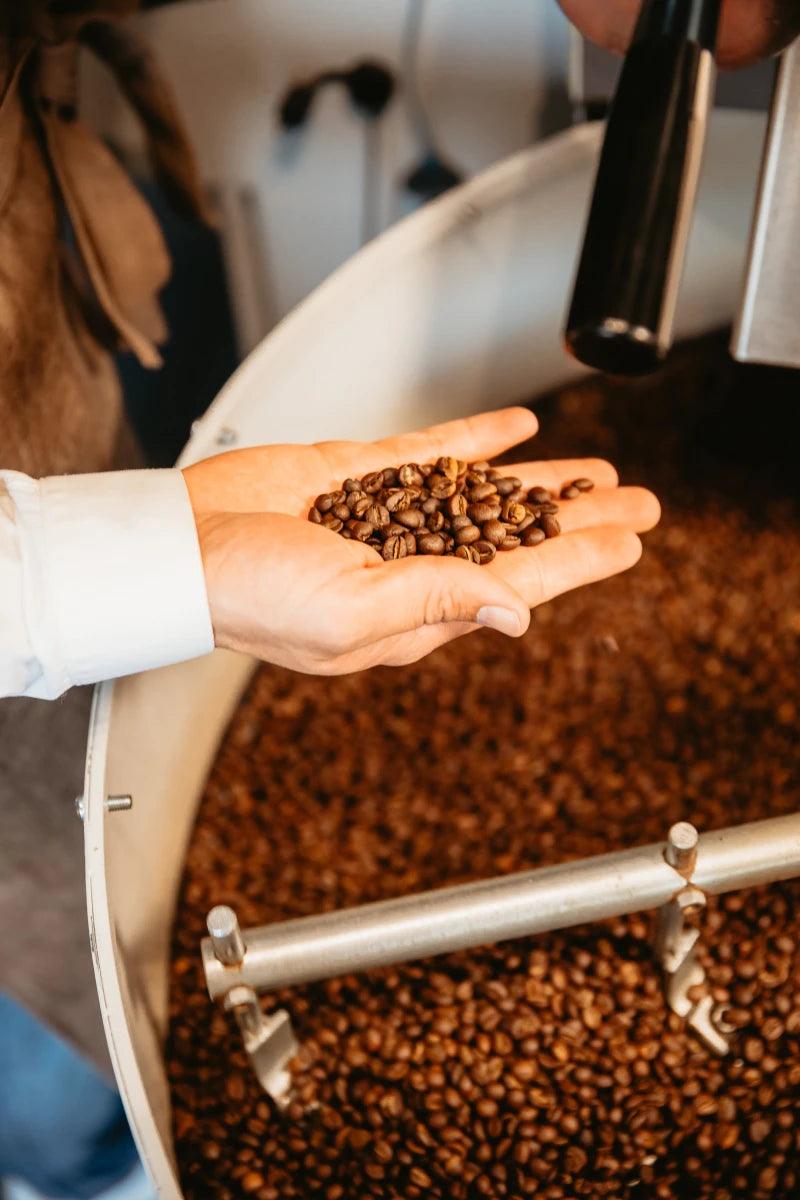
[
  {"x": 748, "y": 29},
  {"x": 300, "y": 596}
]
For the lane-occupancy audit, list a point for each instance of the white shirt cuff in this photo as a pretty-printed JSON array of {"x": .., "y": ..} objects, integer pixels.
[{"x": 112, "y": 570}]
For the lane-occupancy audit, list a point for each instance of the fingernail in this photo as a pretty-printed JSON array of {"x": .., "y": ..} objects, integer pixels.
[{"x": 504, "y": 620}]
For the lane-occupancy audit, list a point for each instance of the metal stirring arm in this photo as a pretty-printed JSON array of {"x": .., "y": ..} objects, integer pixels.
[{"x": 674, "y": 877}]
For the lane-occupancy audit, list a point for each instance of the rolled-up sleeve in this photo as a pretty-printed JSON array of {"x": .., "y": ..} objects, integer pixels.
[{"x": 100, "y": 576}]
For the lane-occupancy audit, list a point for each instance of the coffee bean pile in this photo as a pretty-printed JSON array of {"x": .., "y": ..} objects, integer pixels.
[
  {"x": 447, "y": 507},
  {"x": 545, "y": 1067}
]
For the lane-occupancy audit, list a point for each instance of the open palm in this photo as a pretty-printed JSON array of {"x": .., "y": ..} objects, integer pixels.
[{"x": 296, "y": 594}]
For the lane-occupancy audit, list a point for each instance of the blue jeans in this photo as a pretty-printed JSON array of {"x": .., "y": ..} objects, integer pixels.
[{"x": 62, "y": 1127}]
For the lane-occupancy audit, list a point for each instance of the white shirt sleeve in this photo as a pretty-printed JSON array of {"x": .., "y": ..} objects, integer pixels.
[{"x": 100, "y": 576}]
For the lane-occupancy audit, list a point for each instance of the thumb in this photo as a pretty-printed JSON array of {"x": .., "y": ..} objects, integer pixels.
[{"x": 413, "y": 592}]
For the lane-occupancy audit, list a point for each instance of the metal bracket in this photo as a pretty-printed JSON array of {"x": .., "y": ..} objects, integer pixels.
[
  {"x": 269, "y": 1042},
  {"x": 676, "y": 944}
]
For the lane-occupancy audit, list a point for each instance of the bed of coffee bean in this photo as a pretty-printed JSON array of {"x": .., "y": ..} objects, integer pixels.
[
  {"x": 448, "y": 507},
  {"x": 546, "y": 1067}
]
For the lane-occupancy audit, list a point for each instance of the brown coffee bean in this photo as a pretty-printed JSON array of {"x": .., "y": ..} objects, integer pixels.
[
  {"x": 504, "y": 484},
  {"x": 513, "y": 512},
  {"x": 457, "y": 505},
  {"x": 538, "y": 495},
  {"x": 378, "y": 516},
  {"x": 372, "y": 482},
  {"x": 569, "y": 492},
  {"x": 430, "y": 543},
  {"x": 468, "y": 535},
  {"x": 440, "y": 486},
  {"x": 583, "y": 485},
  {"x": 360, "y": 530},
  {"x": 410, "y": 518},
  {"x": 341, "y": 511},
  {"x": 448, "y": 467},
  {"x": 482, "y": 491},
  {"x": 549, "y": 526},
  {"x": 494, "y": 531},
  {"x": 409, "y": 475},
  {"x": 361, "y": 506},
  {"x": 469, "y": 554},
  {"x": 396, "y": 500},
  {"x": 482, "y": 512},
  {"x": 533, "y": 536},
  {"x": 395, "y": 547},
  {"x": 329, "y": 521},
  {"x": 459, "y": 523},
  {"x": 486, "y": 551},
  {"x": 326, "y": 501},
  {"x": 315, "y": 516}
]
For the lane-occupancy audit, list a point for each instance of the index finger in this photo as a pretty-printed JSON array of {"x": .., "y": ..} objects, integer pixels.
[{"x": 471, "y": 439}]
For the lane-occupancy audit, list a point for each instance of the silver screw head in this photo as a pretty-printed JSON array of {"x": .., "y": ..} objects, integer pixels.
[{"x": 682, "y": 841}]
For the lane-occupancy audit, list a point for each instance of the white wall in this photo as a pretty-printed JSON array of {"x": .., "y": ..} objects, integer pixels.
[{"x": 291, "y": 205}]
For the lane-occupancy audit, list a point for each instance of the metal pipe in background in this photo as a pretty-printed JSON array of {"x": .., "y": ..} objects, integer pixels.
[{"x": 493, "y": 910}]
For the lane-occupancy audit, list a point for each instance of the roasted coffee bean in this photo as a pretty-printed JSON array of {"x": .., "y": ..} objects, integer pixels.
[
  {"x": 538, "y": 495},
  {"x": 373, "y": 482},
  {"x": 583, "y": 485},
  {"x": 486, "y": 550},
  {"x": 341, "y": 511},
  {"x": 436, "y": 522},
  {"x": 494, "y": 532},
  {"x": 397, "y": 499},
  {"x": 352, "y": 485},
  {"x": 459, "y": 523},
  {"x": 448, "y": 467},
  {"x": 360, "y": 530},
  {"x": 378, "y": 515},
  {"x": 509, "y": 542},
  {"x": 483, "y": 511},
  {"x": 512, "y": 512},
  {"x": 331, "y": 522},
  {"x": 409, "y": 475},
  {"x": 440, "y": 486},
  {"x": 569, "y": 491},
  {"x": 482, "y": 491},
  {"x": 410, "y": 518},
  {"x": 550, "y": 526},
  {"x": 326, "y": 501},
  {"x": 430, "y": 505},
  {"x": 467, "y": 535},
  {"x": 394, "y": 547},
  {"x": 470, "y": 553},
  {"x": 504, "y": 484},
  {"x": 457, "y": 505},
  {"x": 359, "y": 508},
  {"x": 315, "y": 516},
  {"x": 430, "y": 543},
  {"x": 533, "y": 536}
]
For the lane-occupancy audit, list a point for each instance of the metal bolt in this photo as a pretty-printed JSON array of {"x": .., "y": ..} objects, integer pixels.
[
  {"x": 681, "y": 851},
  {"x": 80, "y": 807},
  {"x": 118, "y": 803},
  {"x": 226, "y": 936}
]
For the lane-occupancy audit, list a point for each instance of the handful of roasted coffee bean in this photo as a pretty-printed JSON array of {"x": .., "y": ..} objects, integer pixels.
[{"x": 469, "y": 510}]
